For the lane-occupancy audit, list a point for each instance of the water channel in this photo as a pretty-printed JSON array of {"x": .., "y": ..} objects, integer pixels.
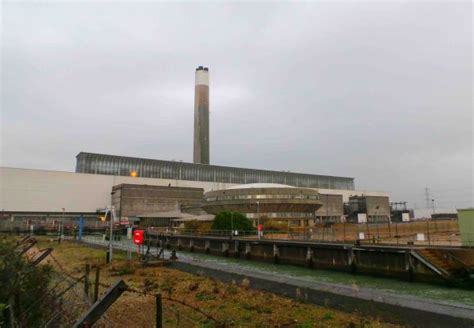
[{"x": 437, "y": 293}]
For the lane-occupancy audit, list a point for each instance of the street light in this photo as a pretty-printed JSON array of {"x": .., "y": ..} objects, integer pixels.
[
  {"x": 258, "y": 219},
  {"x": 231, "y": 224},
  {"x": 327, "y": 207},
  {"x": 433, "y": 205},
  {"x": 61, "y": 237},
  {"x": 112, "y": 217}
]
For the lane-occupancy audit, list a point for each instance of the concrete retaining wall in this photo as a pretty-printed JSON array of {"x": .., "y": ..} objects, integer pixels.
[
  {"x": 376, "y": 260},
  {"x": 396, "y": 309}
]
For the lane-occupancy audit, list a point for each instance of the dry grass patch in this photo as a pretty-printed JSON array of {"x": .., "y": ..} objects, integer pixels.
[{"x": 234, "y": 304}]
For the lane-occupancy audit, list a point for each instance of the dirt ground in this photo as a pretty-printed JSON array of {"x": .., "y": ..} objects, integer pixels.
[
  {"x": 439, "y": 233},
  {"x": 220, "y": 304}
]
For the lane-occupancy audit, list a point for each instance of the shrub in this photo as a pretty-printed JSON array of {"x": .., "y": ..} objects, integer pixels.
[
  {"x": 21, "y": 286},
  {"x": 198, "y": 226},
  {"x": 226, "y": 220}
]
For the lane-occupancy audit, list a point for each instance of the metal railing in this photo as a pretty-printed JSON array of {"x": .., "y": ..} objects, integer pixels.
[{"x": 423, "y": 233}]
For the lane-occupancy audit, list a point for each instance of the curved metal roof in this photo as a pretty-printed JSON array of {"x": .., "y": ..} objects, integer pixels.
[{"x": 260, "y": 185}]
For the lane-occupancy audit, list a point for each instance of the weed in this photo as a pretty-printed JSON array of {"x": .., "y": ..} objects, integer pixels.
[
  {"x": 231, "y": 290},
  {"x": 205, "y": 297},
  {"x": 264, "y": 309},
  {"x": 328, "y": 316},
  {"x": 248, "y": 307}
]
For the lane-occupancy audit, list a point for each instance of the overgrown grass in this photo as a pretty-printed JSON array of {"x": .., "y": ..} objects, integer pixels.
[{"x": 233, "y": 303}]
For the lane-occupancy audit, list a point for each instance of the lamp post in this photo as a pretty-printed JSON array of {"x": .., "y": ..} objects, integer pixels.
[
  {"x": 231, "y": 224},
  {"x": 258, "y": 219},
  {"x": 433, "y": 205},
  {"x": 112, "y": 216},
  {"x": 327, "y": 207},
  {"x": 62, "y": 226}
]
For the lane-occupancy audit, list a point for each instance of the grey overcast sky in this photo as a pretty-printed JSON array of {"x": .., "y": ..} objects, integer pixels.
[{"x": 380, "y": 91}]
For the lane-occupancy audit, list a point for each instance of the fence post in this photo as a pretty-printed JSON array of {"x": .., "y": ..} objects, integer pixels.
[
  {"x": 377, "y": 230},
  {"x": 428, "y": 227},
  {"x": 159, "y": 311},
  {"x": 344, "y": 232},
  {"x": 96, "y": 286},
  {"x": 86, "y": 280},
  {"x": 396, "y": 233}
]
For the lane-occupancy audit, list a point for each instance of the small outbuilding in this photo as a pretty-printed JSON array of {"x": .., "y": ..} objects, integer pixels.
[{"x": 466, "y": 226}]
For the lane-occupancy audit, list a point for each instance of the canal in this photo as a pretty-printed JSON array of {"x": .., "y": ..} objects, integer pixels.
[{"x": 435, "y": 293}]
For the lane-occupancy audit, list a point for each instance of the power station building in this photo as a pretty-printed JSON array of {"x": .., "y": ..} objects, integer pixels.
[
  {"x": 101, "y": 180},
  {"x": 159, "y": 169},
  {"x": 265, "y": 200}
]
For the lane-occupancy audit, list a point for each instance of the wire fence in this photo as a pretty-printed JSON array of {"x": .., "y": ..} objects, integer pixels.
[
  {"x": 71, "y": 296},
  {"x": 422, "y": 233},
  {"x": 63, "y": 301},
  {"x": 137, "y": 309}
]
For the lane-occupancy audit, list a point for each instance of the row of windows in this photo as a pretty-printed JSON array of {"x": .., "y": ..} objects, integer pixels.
[
  {"x": 266, "y": 196},
  {"x": 116, "y": 165},
  {"x": 279, "y": 215}
]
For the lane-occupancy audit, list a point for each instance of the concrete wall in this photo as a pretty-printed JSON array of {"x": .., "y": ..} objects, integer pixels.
[
  {"x": 50, "y": 191},
  {"x": 398, "y": 309},
  {"x": 332, "y": 206},
  {"x": 377, "y": 206},
  {"x": 135, "y": 200},
  {"x": 390, "y": 261}
]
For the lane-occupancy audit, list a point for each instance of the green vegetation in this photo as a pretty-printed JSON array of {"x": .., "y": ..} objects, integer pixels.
[
  {"x": 234, "y": 304},
  {"x": 227, "y": 220},
  {"x": 21, "y": 286},
  {"x": 197, "y": 226}
]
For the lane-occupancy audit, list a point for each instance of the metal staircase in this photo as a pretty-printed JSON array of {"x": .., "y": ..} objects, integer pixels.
[{"x": 446, "y": 265}]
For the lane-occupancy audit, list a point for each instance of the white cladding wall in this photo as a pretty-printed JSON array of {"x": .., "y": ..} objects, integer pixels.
[{"x": 50, "y": 191}]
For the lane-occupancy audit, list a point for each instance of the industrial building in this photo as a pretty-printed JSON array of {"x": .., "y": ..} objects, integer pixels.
[
  {"x": 265, "y": 200},
  {"x": 132, "y": 200},
  {"x": 160, "y": 189},
  {"x": 364, "y": 208},
  {"x": 400, "y": 213},
  {"x": 172, "y": 170},
  {"x": 34, "y": 194},
  {"x": 466, "y": 226},
  {"x": 332, "y": 209}
]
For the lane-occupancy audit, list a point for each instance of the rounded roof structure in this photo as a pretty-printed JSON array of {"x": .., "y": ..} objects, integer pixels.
[
  {"x": 262, "y": 198},
  {"x": 260, "y": 185}
]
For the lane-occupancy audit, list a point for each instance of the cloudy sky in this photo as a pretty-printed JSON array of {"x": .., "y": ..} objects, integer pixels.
[{"x": 378, "y": 91}]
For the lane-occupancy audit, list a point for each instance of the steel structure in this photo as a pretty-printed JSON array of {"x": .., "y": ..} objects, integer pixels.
[{"x": 160, "y": 169}]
